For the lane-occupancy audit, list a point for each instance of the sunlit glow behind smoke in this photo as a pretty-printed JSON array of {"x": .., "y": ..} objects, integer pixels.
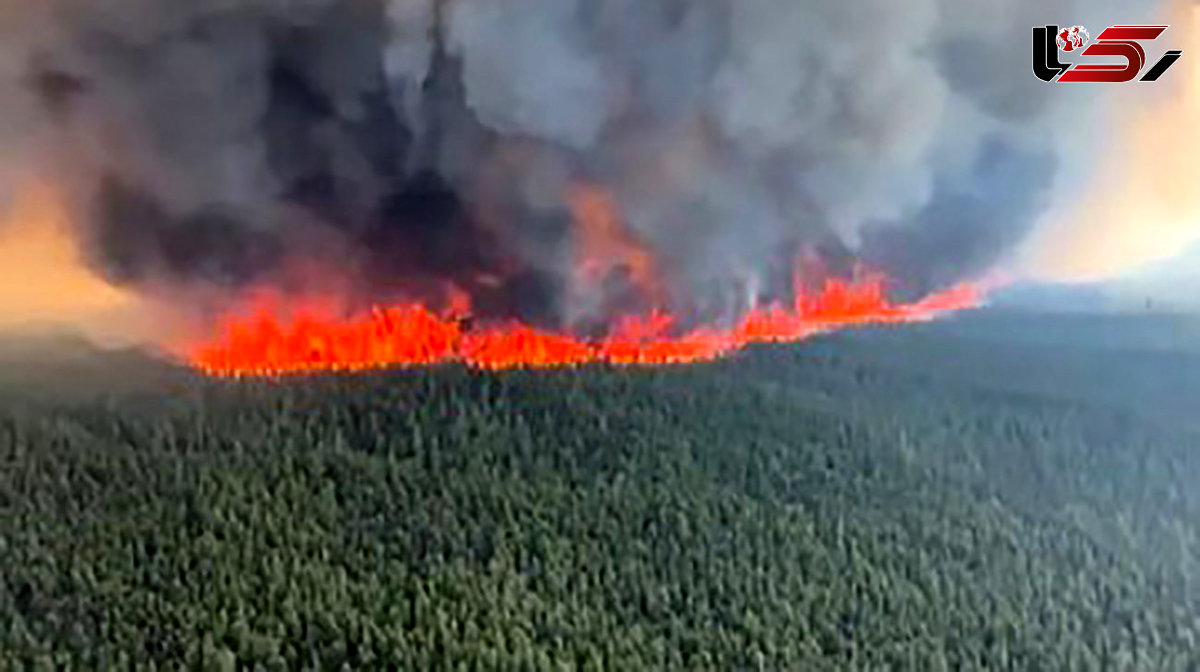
[
  {"x": 42, "y": 279},
  {"x": 1143, "y": 202}
]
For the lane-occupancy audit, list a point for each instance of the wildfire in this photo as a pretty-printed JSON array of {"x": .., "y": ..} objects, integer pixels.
[
  {"x": 315, "y": 338},
  {"x": 605, "y": 245}
]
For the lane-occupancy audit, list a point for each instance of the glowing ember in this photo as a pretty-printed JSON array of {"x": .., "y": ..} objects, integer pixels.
[{"x": 313, "y": 339}]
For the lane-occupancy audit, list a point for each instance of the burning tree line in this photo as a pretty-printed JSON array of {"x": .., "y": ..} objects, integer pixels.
[
  {"x": 636, "y": 325},
  {"x": 262, "y": 343}
]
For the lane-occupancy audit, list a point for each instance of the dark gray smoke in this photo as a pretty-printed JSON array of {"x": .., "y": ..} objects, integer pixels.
[{"x": 404, "y": 143}]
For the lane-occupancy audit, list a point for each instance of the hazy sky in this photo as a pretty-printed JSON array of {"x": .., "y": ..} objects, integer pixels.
[
  {"x": 1138, "y": 202},
  {"x": 41, "y": 277}
]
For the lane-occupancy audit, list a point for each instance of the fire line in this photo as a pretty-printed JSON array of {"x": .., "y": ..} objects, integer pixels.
[{"x": 313, "y": 340}]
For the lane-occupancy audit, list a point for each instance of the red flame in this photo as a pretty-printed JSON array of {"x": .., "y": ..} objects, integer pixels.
[{"x": 315, "y": 338}]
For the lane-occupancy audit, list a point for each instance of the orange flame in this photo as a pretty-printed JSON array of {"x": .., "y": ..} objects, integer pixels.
[
  {"x": 316, "y": 339},
  {"x": 604, "y": 244}
]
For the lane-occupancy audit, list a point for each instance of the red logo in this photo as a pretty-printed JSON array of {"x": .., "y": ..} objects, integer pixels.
[
  {"x": 1122, "y": 42},
  {"x": 1075, "y": 37}
]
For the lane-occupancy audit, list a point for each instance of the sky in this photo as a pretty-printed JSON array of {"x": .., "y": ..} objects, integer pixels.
[
  {"x": 41, "y": 275},
  {"x": 45, "y": 284},
  {"x": 1136, "y": 202}
]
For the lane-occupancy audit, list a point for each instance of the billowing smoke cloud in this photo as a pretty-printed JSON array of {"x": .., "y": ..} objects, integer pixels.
[{"x": 404, "y": 143}]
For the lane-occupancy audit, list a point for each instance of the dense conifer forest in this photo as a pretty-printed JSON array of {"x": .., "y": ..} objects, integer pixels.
[{"x": 1000, "y": 492}]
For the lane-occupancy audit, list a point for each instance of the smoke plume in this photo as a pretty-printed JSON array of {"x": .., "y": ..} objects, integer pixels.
[{"x": 403, "y": 144}]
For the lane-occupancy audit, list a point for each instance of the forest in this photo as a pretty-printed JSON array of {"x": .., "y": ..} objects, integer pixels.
[{"x": 1003, "y": 492}]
